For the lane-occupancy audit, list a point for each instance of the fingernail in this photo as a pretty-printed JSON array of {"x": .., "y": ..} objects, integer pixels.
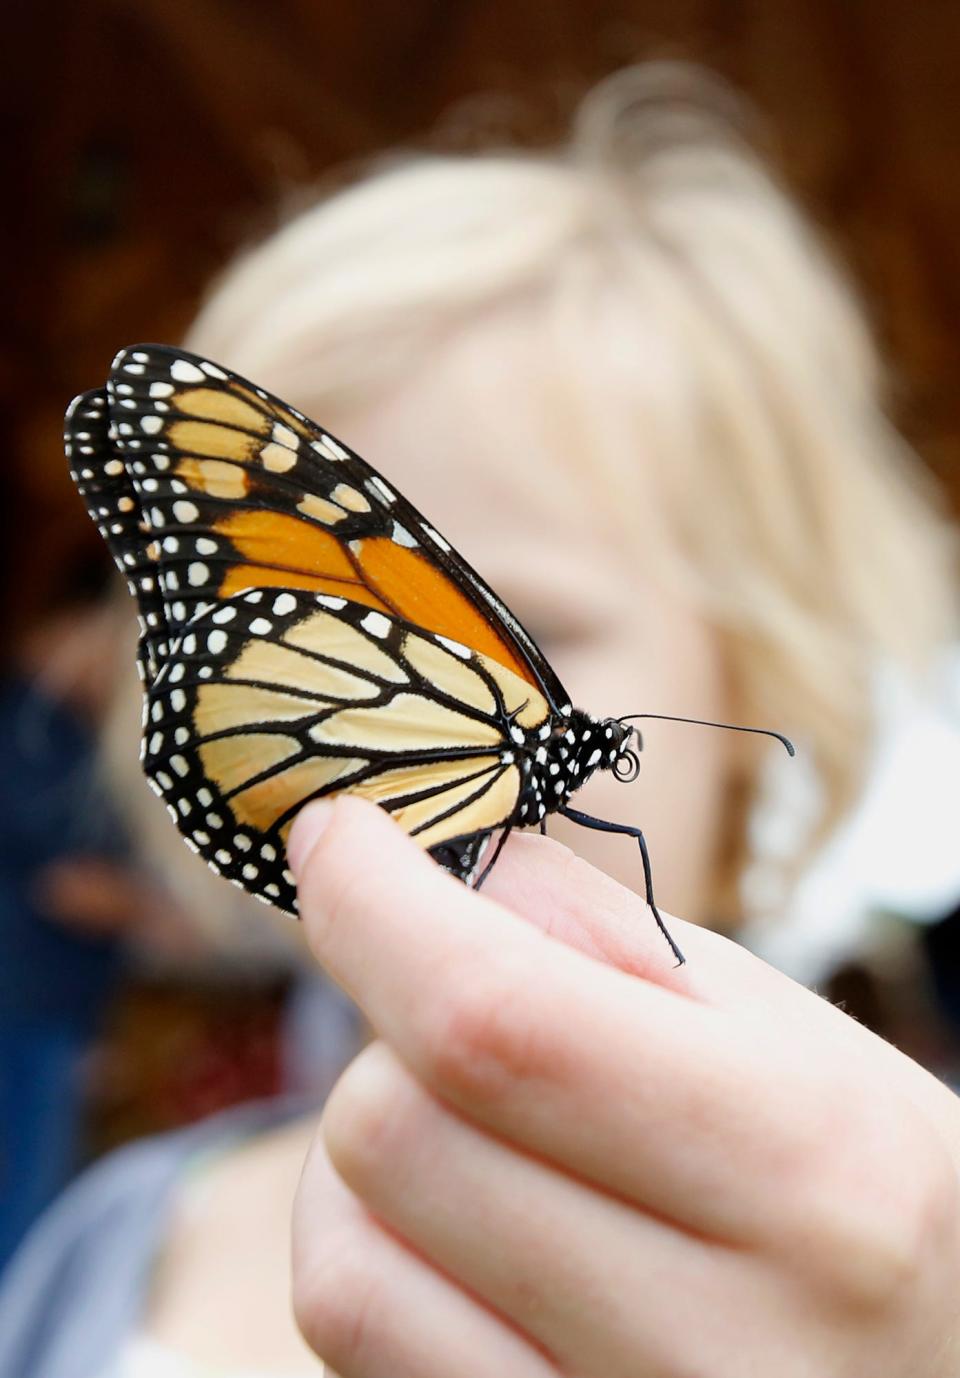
[{"x": 308, "y": 827}]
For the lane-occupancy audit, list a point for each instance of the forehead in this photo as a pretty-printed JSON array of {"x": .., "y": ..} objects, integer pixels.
[{"x": 476, "y": 440}]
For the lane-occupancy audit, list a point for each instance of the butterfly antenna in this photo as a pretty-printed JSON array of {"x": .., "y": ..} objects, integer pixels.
[{"x": 726, "y": 726}]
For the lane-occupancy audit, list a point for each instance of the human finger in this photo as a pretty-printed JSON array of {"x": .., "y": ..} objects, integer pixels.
[
  {"x": 544, "y": 882},
  {"x": 369, "y": 1305},
  {"x": 535, "y": 1244},
  {"x": 653, "y": 1095}
]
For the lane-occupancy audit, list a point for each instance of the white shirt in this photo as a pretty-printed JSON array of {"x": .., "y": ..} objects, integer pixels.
[{"x": 143, "y": 1357}]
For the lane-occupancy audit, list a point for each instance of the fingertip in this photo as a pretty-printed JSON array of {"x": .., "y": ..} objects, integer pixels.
[
  {"x": 347, "y": 843},
  {"x": 345, "y": 813},
  {"x": 308, "y": 827}
]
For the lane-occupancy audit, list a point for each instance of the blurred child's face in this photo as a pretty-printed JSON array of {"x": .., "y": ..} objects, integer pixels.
[{"x": 463, "y": 441}]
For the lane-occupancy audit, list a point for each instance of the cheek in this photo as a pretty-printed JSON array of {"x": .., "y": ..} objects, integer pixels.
[{"x": 666, "y": 662}]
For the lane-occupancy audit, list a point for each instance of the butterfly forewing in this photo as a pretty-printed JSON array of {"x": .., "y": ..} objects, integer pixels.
[{"x": 243, "y": 491}]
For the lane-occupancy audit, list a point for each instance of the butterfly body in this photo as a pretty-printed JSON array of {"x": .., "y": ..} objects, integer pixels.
[{"x": 306, "y": 632}]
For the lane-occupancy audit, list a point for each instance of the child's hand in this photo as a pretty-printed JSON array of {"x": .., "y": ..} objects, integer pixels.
[{"x": 565, "y": 1156}]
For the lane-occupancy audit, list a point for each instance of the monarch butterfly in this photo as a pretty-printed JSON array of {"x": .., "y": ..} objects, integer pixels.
[{"x": 306, "y": 632}]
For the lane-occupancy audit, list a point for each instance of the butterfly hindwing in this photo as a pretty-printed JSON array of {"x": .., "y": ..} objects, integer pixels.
[
  {"x": 240, "y": 491},
  {"x": 275, "y": 696}
]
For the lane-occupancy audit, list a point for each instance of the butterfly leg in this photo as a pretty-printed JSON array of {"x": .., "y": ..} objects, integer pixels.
[
  {"x": 501, "y": 843},
  {"x": 587, "y": 820}
]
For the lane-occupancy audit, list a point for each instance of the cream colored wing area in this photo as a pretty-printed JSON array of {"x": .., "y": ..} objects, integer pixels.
[
  {"x": 233, "y": 760},
  {"x": 336, "y": 638},
  {"x": 479, "y": 794},
  {"x": 262, "y": 804},
  {"x": 267, "y": 662},
  {"x": 526, "y": 704},
  {"x": 407, "y": 780},
  {"x": 408, "y": 723},
  {"x": 482, "y": 807},
  {"x": 230, "y": 761},
  {"x": 448, "y": 673},
  {"x": 220, "y": 707}
]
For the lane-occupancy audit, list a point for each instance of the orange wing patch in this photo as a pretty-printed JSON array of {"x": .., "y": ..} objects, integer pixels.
[
  {"x": 421, "y": 593},
  {"x": 212, "y": 440},
  {"x": 281, "y": 551},
  {"x": 226, "y": 407},
  {"x": 227, "y": 435}
]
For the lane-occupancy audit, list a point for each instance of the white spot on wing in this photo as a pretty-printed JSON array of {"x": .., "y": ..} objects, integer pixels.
[
  {"x": 436, "y": 537},
  {"x": 456, "y": 647},
  {"x": 284, "y": 436},
  {"x": 324, "y": 451},
  {"x": 401, "y": 536},
  {"x": 337, "y": 450},
  {"x": 279, "y": 459},
  {"x": 376, "y": 624},
  {"x": 185, "y": 372},
  {"x": 379, "y": 489}
]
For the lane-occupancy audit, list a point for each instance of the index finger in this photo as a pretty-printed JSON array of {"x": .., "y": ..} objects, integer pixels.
[{"x": 634, "y": 1086}]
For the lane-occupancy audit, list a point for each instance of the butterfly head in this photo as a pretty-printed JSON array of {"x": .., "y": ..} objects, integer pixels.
[
  {"x": 626, "y": 763},
  {"x": 602, "y": 744}
]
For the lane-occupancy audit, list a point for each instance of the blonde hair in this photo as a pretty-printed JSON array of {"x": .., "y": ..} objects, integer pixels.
[{"x": 689, "y": 314}]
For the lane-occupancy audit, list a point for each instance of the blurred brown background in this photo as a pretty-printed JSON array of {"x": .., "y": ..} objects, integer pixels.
[{"x": 149, "y": 141}]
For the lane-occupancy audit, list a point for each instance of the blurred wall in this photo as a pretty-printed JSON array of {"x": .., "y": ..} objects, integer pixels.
[{"x": 145, "y": 142}]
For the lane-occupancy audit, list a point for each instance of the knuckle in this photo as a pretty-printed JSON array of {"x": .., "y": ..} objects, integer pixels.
[
  {"x": 812, "y": 1107},
  {"x": 483, "y": 1036},
  {"x": 365, "y": 1122},
  {"x": 879, "y": 1203},
  {"x": 904, "y": 1229},
  {"x": 335, "y": 1299}
]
